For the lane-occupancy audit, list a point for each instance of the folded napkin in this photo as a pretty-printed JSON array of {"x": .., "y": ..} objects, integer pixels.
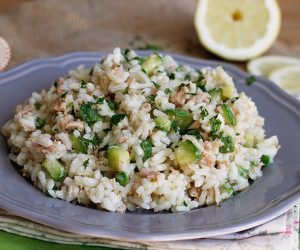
[{"x": 280, "y": 233}]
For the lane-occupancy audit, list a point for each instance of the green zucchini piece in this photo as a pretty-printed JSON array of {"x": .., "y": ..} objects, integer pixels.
[
  {"x": 187, "y": 153},
  {"x": 54, "y": 168}
]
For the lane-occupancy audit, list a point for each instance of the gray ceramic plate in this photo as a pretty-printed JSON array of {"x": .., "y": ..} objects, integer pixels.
[{"x": 266, "y": 198}]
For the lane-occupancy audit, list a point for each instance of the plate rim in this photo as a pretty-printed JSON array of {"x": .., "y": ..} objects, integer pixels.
[{"x": 278, "y": 207}]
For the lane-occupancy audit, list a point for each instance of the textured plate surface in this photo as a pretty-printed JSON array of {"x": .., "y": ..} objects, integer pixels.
[{"x": 266, "y": 198}]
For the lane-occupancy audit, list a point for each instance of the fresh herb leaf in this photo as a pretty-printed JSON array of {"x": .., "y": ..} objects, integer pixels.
[
  {"x": 125, "y": 54},
  {"x": 122, "y": 178},
  {"x": 265, "y": 159},
  {"x": 174, "y": 126},
  {"x": 250, "y": 80},
  {"x": 185, "y": 204},
  {"x": 215, "y": 124},
  {"x": 86, "y": 163},
  {"x": 150, "y": 46},
  {"x": 150, "y": 98},
  {"x": 83, "y": 84},
  {"x": 228, "y": 146},
  {"x": 237, "y": 133},
  {"x": 192, "y": 94},
  {"x": 91, "y": 71},
  {"x": 37, "y": 105},
  {"x": 194, "y": 132},
  {"x": 115, "y": 119},
  {"x": 39, "y": 122},
  {"x": 200, "y": 77},
  {"x": 168, "y": 91},
  {"x": 112, "y": 105},
  {"x": 146, "y": 145},
  {"x": 89, "y": 114},
  {"x": 203, "y": 113},
  {"x": 182, "y": 117},
  {"x": 188, "y": 77},
  {"x": 172, "y": 76},
  {"x": 94, "y": 141},
  {"x": 157, "y": 86},
  {"x": 98, "y": 100}
]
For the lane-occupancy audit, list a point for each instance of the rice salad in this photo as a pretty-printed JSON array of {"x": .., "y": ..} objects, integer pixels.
[{"x": 140, "y": 133}]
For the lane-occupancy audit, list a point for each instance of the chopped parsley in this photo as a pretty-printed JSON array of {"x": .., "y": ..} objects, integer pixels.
[
  {"x": 157, "y": 86},
  {"x": 89, "y": 114},
  {"x": 94, "y": 141},
  {"x": 115, "y": 119},
  {"x": 194, "y": 132},
  {"x": 168, "y": 91},
  {"x": 193, "y": 94},
  {"x": 37, "y": 105},
  {"x": 172, "y": 76},
  {"x": 122, "y": 178},
  {"x": 215, "y": 124},
  {"x": 113, "y": 106},
  {"x": 86, "y": 163},
  {"x": 174, "y": 126},
  {"x": 125, "y": 54},
  {"x": 185, "y": 204},
  {"x": 150, "y": 98},
  {"x": 265, "y": 159},
  {"x": 188, "y": 77},
  {"x": 146, "y": 145},
  {"x": 39, "y": 122},
  {"x": 98, "y": 100},
  {"x": 83, "y": 84},
  {"x": 250, "y": 80},
  {"x": 203, "y": 113},
  {"x": 228, "y": 146}
]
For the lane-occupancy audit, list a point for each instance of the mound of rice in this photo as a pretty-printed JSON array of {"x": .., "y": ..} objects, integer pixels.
[{"x": 140, "y": 133}]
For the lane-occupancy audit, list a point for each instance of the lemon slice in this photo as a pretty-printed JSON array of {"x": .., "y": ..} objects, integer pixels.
[
  {"x": 288, "y": 78},
  {"x": 263, "y": 66},
  {"x": 237, "y": 29}
]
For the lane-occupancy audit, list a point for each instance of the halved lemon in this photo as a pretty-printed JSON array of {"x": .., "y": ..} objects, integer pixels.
[
  {"x": 288, "y": 78},
  {"x": 237, "y": 29},
  {"x": 264, "y": 66}
]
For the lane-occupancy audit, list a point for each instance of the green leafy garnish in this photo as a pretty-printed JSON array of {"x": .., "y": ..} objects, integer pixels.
[
  {"x": 168, "y": 91},
  {"x": 194, "y": 132},
  {"x": 86, "y": 163},
  {"x": 185, "y": 204},
  {"x": 83, "y": 84},
  {"x": 157, "y": 86},
  {"x": 172, "y": 76},
  {"x": 243, "y": 172},
  {"x": 113, "y": 106},
  {"x": 146, "y": 145},
  {"x": 174, "y": 126},
  {"x": 115, "y": 119},
  {"x": 39, "y": 122},
  {"x": 250, "y": 80},
  {"x": 182, "y": 117},
  {"x": 215, "y": 124},
  {"x": 188, "y": 77},
  {"x": 150, "y": 98},
  {"x": 89, "y": 114},
  {"x": 122, "y": 178},
  {"x": 265, "y": 159},
  {"x": 203, "y": 113},
  {"x": 37, "y": 105},
  {"x": 98, "y": 100},
  {"x": 91, "y": 71},
  {"x": 94, "y": 141},
  {"x": 228, "y": 146}
]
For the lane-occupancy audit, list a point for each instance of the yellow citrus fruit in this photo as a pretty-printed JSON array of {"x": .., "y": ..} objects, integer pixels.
[{"x": 237, "y": 29}]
